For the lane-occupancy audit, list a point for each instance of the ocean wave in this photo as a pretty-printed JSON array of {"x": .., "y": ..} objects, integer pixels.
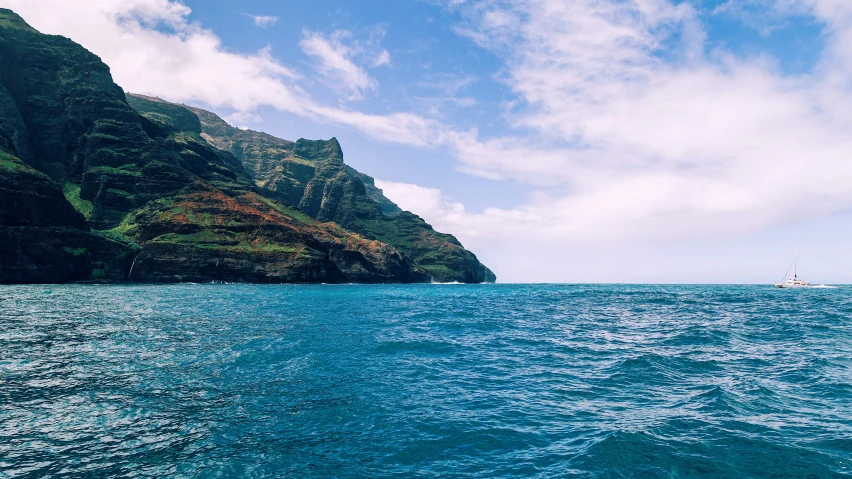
[{"x": 409, "y": 381}]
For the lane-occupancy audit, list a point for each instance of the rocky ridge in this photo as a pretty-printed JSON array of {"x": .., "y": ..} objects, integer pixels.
[{"x": 312, "y": 177}]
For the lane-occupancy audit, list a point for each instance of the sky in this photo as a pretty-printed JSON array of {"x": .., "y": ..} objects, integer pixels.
[{"x": 695, "y": 141}]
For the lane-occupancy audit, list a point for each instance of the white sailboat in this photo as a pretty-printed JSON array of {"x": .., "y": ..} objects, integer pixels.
[{"x": 794, "y": 282}]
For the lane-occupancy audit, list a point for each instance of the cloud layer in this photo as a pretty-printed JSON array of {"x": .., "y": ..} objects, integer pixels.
[{"x": 641, "y": 133}]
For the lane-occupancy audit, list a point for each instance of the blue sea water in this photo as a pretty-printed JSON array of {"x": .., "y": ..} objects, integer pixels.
[{"x": 425, "y": 381}]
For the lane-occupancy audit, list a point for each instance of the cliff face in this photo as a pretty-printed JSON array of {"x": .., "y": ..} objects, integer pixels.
[
  {"x": 43, "y": 239},
  {"x": 208, "y": 235},
  {"x": 75, "y": 155},
  {"x": 312, "y": 177}
]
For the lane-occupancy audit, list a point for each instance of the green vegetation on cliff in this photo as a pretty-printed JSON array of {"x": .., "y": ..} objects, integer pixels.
[
  {"x": 43, "y": 238},
  {"x": 312, "y": 177},
  {"x": 72, "y": 194}
]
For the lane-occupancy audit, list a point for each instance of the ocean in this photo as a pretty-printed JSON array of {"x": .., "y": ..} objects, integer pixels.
[{"x": 486, "y": 381}]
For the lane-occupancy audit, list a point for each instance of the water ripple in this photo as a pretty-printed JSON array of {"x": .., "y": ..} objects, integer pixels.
[{"x": 425, "y": 381}]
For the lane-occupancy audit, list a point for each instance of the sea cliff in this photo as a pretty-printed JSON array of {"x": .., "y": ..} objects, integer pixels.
[{"x": 96, "y": 188}]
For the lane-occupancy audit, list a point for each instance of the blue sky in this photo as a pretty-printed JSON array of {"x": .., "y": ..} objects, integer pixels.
[{"x": 606, "y": 140}]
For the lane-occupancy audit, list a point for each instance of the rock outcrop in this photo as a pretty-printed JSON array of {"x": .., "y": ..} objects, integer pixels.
[{"x": 312, "y": 177}]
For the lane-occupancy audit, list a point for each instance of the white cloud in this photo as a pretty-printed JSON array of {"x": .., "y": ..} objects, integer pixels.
[
  {"x": 263, "y": 21},
  {"x": 382, "y": 59},
  {"x": 447, "y": 83},
  {"x": 477, "y": 231},
  {"x": 334, "y": 63},
  {"x": 242, "y": 118},
  {"x": 428, "y": 202}
]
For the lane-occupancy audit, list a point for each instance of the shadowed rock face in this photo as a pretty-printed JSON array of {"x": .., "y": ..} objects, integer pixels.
[
  {"x": 312, "y": 177},
  {"x": 162, "y": 201},
  {"x": 43, "y": 239}
]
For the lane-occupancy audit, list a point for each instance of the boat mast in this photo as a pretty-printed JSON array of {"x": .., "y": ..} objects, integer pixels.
[{"x": 795, "y": 264}]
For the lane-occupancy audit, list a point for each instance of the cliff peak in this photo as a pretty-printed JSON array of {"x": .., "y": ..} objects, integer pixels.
[{"x": 10, "y": 19}]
